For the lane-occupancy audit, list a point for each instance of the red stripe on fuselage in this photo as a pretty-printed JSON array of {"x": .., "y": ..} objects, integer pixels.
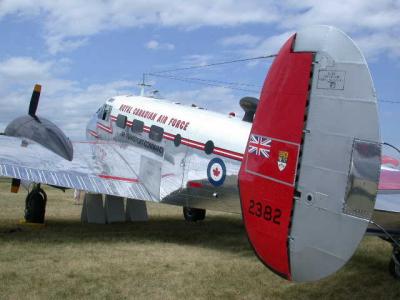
[
  {"x": 187, "y": 142},
  {"x": 107, "y": 129},
  {"x": 192, "y": 144},
  {"x": 93, "y": 133},
  {"x": 228, "y": 153},
  {"x": 169, "y": 136}
]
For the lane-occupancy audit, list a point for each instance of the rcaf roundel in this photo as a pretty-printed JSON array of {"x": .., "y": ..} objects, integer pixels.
[{"x": 216, "y": 171}]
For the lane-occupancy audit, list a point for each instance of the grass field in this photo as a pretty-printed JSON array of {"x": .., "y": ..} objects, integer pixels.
[{"x": 164, "y": 258}]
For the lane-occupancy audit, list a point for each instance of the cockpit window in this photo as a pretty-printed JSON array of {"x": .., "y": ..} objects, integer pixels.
[
  {"x": 104, "y": 112},
  {"x": 100, "y": 112}
]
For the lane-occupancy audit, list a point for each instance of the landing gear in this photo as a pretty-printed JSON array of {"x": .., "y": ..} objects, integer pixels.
[
  {"x": 35, "y": 205},
  {"x": 394, "y": 264},
  {"x": 194, "y": 214}
]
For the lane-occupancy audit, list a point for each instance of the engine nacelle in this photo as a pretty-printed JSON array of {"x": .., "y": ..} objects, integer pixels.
[{"x": 41, "y": 131}]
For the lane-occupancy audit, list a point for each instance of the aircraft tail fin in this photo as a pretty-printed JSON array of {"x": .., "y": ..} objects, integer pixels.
[{"x": 310, "y": 173}]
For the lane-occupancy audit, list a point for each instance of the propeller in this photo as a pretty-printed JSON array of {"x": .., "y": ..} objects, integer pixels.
[{"x": 34, "y": 100}]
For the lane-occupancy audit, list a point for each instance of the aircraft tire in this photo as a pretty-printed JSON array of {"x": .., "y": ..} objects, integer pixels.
[
  {"x": 35, "y": 206},
  {"x": 194, "y": 214}
]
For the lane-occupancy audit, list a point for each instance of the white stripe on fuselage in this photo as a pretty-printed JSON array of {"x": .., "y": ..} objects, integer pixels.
[{"x": 196, "y": 126}]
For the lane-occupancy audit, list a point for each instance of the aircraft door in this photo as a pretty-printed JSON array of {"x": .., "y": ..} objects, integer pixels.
[{"x": 173, "y": 170}]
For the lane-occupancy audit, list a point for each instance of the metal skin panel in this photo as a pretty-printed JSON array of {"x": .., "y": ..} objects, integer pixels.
[
  {"x": 199, "y": 192},
  {"x": 266, "y": 189},
  {"x": 342, "y": 121},
  {"x": 363, "y": 179},
  {"x": 150, "y": 175}
]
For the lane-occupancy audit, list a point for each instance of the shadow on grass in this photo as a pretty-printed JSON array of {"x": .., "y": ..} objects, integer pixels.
[
  {"x": 217, "y": 232},
  {"x": 364, "y": 277}
]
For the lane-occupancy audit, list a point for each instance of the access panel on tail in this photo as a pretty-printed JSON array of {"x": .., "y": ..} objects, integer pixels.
[{"x": 310, "y": 174}]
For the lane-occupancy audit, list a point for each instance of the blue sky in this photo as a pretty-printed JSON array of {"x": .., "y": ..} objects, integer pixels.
[{"x": 86, "y": 51}]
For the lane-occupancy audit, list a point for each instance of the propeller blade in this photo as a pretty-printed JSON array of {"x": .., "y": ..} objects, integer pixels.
[{"x": 34, "y": 100}]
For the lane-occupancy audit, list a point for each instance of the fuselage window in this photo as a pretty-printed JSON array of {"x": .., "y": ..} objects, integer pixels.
[
  {"x": 137, "y": 126},
  {"x": 121, "y": 121},
  {"x": 209, "y": 147},
  {"x": 177, "y": 140},
  {"x": 156, "y": 133}
]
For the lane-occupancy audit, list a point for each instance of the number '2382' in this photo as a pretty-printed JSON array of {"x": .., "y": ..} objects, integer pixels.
[{"x": 265, "y": 211}]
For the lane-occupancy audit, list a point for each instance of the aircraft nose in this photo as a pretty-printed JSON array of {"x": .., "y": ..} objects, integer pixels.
[{"x": 91, "y": 128}]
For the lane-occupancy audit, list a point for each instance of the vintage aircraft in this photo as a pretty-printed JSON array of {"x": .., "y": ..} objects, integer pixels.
[{"x": 303, "y": 166}]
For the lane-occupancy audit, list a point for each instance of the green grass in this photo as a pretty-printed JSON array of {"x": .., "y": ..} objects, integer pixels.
[{"x": 164, "y": 258}]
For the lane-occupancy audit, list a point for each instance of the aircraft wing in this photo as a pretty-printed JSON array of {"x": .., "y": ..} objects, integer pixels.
[{"x": 105, "y": 167}]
